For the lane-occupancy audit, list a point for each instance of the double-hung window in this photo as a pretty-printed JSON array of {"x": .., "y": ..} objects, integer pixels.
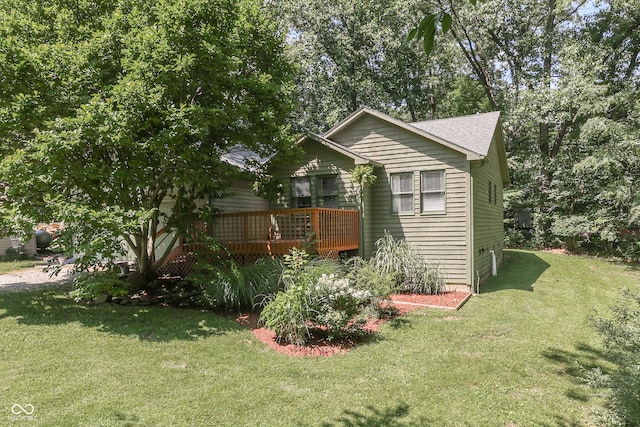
[
  {"x": 300, "y": 192},
  {"x": 432, "y": 191},
  {"x": 402, "y": 192},
  {"x": 328, "y": 191}
]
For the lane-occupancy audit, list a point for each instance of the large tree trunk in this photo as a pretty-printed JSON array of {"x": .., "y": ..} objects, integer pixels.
[{"x": 143, "y": 245}]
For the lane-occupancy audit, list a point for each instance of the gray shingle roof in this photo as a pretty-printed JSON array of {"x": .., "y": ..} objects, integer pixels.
[
  {"x": 242, "y": 158},
  {"x": 473, "y": 133}
]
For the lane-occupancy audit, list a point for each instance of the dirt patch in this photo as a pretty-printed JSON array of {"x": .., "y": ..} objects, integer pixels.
[
  {"x": 557, "y": 251},
  {"x": 322, "y": 347},
  {"x": 34, "y": 278}
]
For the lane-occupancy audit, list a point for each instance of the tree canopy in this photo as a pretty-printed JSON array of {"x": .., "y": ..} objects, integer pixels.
[{"x": 107, "y": 108}]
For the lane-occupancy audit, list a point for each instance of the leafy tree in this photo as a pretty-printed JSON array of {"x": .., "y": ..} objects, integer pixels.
[
  {"x": 108, "y": 108},
  {"x": 621, "y": 333},
  {"x": 598, "y": 196},
  {"x": 355, "y": 53},
  {"x": 340, "y": 48}
]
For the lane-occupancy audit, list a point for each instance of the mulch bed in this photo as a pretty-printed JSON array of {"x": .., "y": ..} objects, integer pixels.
[{"x": 322, "y": 347}]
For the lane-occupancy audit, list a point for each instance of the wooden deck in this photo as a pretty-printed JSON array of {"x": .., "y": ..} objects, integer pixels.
[{"x": 248, "y": 236}]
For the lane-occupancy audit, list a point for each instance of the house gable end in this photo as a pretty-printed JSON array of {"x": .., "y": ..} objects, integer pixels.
[
  {"x": 347, "y": 122},
  {"x": 358, "y": 159}
]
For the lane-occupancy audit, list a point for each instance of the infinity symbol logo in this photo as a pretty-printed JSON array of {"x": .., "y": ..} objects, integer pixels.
[{"x": 27, "y": 409}]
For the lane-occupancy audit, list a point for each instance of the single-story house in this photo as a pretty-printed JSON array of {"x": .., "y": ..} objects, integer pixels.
[
  {"x": 14, "y": 243},
  {"x": 439, "y": 186}
]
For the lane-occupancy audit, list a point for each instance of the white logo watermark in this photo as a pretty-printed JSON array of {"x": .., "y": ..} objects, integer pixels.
[{"x": 22, "y": 412}]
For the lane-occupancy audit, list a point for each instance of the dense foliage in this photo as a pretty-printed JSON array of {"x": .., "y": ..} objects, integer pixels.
[
  {"x": 96, "y": 285},
  {"x": 621, "y": 333},
  {"x": 337, "y": 297},
  {"x": 109, "y": 108},
  {"x": 230, "y": 286},
  {"x": 320, "y": 297},
  {"x": 410, "y": 270}
]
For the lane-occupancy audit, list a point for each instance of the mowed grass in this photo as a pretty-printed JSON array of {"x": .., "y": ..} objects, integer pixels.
[{"x": 511, "y": 356}]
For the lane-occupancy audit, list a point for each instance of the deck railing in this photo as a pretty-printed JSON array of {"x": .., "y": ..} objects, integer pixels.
[
  {"x": 248, "y": 236},
  {"x": 275, "y": 232}
]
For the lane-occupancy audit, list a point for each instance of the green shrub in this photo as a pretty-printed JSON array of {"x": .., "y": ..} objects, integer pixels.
[
  {"x": 300, "y": 268},
  {"x": 316, "y": 295},
  {"x": 516, "y": 238},
  {"x": 364, "y": 275},
  {"x": 337, "y": 306},
  {"x": 90, "y": 286},
  {"x": 287, "y": 315},
  {"x": 621, "y": 333},
  {"x": 412, "y": 272},
  {"x": 13, "y": 254},
  {"x": 232, "y": 286},
  {"x": 318, "y": 267},
  {"x": 295, "y": 271}
]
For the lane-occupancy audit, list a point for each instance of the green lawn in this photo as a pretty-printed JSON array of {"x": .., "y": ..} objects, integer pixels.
[
  {"x": 510, "y": 356},
  {"x": 9, "y": 266}
]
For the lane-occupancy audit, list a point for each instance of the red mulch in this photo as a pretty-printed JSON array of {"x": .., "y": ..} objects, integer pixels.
[{"x": 322, "y": 347}]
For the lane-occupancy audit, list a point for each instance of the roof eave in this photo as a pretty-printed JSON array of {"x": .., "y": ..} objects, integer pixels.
[
  {"x": 475, "y": 156},
  {"x": 357, "y": 158}
]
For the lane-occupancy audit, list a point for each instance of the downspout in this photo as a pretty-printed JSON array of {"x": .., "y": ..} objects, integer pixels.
[
  {"x": 471, "y": 239},
  {"x": 494, "y": 265}
]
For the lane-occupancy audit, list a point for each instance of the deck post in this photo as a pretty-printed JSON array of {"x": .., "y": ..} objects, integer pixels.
[
  {"x": 245, "y": 229},
  {"x": 315, "y": 228}
]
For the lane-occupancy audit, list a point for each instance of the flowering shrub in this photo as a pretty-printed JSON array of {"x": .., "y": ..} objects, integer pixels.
[
  {"x": 338, "y": 306},
  {"x": 311, "y": 301}
]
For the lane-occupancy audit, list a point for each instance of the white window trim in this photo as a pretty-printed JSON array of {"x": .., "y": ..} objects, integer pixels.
[
  {"x": 443, "y": 191},
  {"x": 412, "y": 193}
]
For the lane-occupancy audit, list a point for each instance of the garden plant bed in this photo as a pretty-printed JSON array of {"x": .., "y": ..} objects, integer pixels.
[{"x": 403, "y": 304}]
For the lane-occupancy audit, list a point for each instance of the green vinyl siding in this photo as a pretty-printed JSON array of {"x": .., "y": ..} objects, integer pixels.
[
  {"x": 241, "y": 199},
  {"x": 487, "y": 212},
  {"x": 441, "y": 238},
  {"x": 318, "y": 161}
]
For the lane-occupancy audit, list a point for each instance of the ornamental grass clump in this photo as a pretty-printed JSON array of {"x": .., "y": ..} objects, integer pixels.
[
  {"x": 230, "y": 286},
  {"x": 412, "y": 272}
]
